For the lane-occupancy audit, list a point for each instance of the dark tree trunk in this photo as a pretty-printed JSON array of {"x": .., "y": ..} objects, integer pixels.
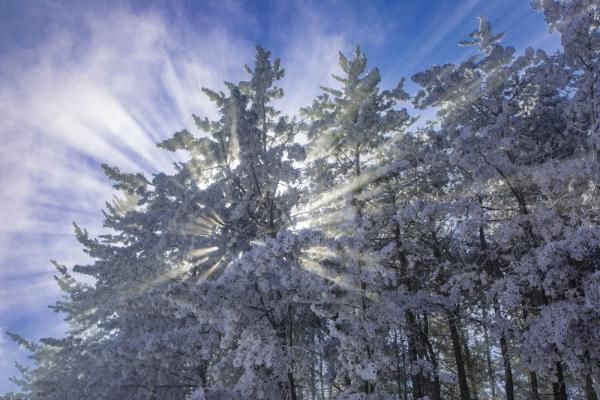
[
  {"x": 509, "y": 386},
  {"x": 292, "y": 385},
  {"x": 590, "y": 394},
  {"x": 488, "y": 351},
  {"x": 417, "y": 378},
  {"x": 411, "y": 321},
  {"x": 460, "y": 365},
  {"x": 404, "y": 377},
  {"x": 399, "y": 376},
  {"x": 468, "y": 361},
  {"x": 508, "y": 377},
  {"x": 202, "y": 369},
  {"x": 488, "y": 355},
  {"x": 312, "y": 386},
  {"x": 533, "y": 380},
  {"x": 321, "y": 369},
  {"x": 436, "y": 389},
  {"x": 533, "y": 383},
  {"x": 559, "y": 388},
  {"x": 290, "y": 376}
]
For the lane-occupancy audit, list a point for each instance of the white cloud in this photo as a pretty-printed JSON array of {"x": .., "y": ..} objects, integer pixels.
[
  {"x": 105, "y": 95},
  {"x": 132, "y": 85},
  {"x": 310, "y": 58}
]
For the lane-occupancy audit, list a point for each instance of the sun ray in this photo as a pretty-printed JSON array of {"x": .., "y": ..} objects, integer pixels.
[{"x": 202, "y": 252}]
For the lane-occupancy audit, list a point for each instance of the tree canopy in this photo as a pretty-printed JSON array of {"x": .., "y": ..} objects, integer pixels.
[{"x": 350, "y": 253}]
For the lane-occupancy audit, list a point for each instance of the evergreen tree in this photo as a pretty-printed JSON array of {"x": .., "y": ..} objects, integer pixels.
[{"x": 372, "y": 260}]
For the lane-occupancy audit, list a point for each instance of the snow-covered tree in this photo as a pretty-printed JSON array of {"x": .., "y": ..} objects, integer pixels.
[
  {"x": 348, "y": 127},
  {"x": 510, "y": 124},
  {"x": 368, "y": 259}
]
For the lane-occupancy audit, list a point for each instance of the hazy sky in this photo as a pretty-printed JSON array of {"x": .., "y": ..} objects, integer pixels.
[{"x": 86, "y": 82}]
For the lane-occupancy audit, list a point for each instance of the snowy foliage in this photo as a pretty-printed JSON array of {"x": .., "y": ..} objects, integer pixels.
[{"x": 366, "y": 260}]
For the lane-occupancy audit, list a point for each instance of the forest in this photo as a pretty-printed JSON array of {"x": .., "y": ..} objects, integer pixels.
[{"x": 355, "y": 251}]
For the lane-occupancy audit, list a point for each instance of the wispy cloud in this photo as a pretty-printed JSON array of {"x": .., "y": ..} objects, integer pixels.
[
  {"x": 310, "y": 58},
  {"x": 104, "y": 95}
]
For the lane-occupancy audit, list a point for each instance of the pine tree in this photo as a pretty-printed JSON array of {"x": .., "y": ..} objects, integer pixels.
[
  {"x": 367, "y": 260},
  {"x": 347, "y": 128}
]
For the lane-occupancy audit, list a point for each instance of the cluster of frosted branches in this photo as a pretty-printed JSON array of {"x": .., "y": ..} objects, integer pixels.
[{"x": 348, "y": 254}]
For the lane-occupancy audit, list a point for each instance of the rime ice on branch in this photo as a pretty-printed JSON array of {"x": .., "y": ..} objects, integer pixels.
[{"x": 369, "y": 259}]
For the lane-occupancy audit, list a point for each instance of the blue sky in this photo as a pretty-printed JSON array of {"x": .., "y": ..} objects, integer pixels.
[{"x": 86, "y": 82}]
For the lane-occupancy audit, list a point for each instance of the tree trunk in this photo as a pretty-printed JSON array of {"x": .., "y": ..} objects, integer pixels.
[
  {"x": 590, "y": 394},
  {"x": 399, "y": 377},
  {"x": 533, "y": 380},
  {"x": 468, "y": 361},
  {"x": 368, "y": 386},
  {"x": 404, "y": 378},
  {"x": 460, "y": 365},
  {"x": 290, "y": 376},
  {"x": 509, "y": 387},
  {"x": 436, "y": 389},
  {"x": 202, "y": 369},
  {"x": 508, "y": 377},
  {"x": 313, "y": 384},
  {"x": 488, "y": 351},
  {"x": 533, "y": 383},
  {"x": 412, "y": 336},
  {"x": 416, "y": 377},
  {"x": 559, "y": 388},
  {"x": 488, "y": 355},
  {"x": 322, "y": 383},
  {"x": 292, "y": 385}
]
